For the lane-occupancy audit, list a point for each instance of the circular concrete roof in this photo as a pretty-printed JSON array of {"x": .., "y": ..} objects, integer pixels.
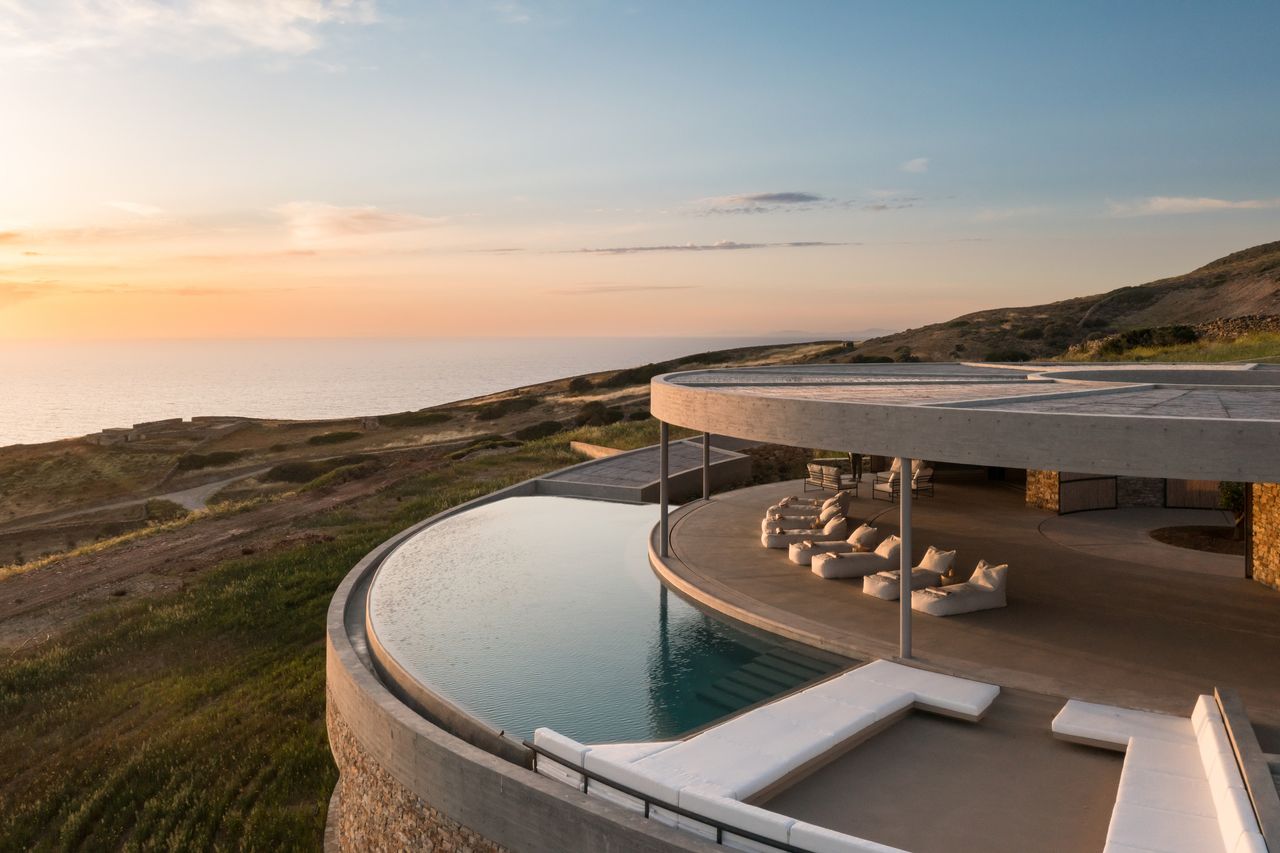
[{"x": 1192, "y": 421}]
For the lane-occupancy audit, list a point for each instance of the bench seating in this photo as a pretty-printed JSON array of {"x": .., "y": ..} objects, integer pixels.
[
  {"x": 1180, "y": 788},
  {"x": 753, "y": 754}
]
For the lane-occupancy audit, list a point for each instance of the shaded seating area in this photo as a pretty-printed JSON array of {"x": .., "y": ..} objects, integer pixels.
[
  {"x": 705, "y": 785},
  {"x": 862, "y": 539},
  {"x": 1181, "y": 788},
  {"x": 930, "y": 572},
  {"x": 833, "y": 474}
]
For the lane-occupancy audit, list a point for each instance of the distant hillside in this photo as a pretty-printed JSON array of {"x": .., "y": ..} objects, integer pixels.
[{"x": 1246, "y": 282}]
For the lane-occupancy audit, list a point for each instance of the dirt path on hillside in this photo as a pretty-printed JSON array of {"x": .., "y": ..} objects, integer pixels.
[{"x": 39, "y": 603}]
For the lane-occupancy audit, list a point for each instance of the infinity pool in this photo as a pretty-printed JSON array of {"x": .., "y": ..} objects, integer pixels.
[{"x": 543, "y": 611}]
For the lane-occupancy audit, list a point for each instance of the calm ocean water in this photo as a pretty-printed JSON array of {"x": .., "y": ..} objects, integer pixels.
[{"x": 50, "y": 391}]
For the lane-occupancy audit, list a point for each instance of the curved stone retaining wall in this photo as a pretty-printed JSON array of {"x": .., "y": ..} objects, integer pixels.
[{"x": 406, "y": 783}]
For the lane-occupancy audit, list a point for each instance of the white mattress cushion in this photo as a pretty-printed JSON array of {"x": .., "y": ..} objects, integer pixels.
[
  {"x": 880, "y": 700},
  {"x": 1112, "y": 725},
  {"x": 888, "y": 549},
  {"x": 819, "y": 839},
  {"x": 717, "y": 761},
  {"x": 1162, "y": 830},
  {"x": 1156, "y": 790},
  {"x": 1162, "y": 756},
  {"x": 1250, "y": 842},
  {"x": 933, "y": 689},
  {"x": 707, "y": 800},
  {"x": 564, "y": 748},
  {"x": 628, "y": 752},
  {"x": 863, "y": 538},
  {"x": 660, "y": 786}
]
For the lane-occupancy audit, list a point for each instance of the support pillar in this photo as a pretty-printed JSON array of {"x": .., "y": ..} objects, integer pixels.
[
  {"x": 904, "y": 558},
  {"x": 706, "y": 466},
  {"x": 664, "y": 450}
]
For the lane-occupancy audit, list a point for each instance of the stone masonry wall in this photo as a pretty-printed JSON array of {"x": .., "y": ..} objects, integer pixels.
[
  {"x": 1139, "y": 491},
  {"x": 375, "y": 812},
  {"x": 1264, "y": 534},
  {"x": 1042, "y": 489}
]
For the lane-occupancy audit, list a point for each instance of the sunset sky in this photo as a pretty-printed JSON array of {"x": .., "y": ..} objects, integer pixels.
[{"x": 281, "y": 168}]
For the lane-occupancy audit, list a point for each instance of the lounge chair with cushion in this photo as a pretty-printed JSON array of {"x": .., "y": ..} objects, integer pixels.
[
  {"x": 836, "y": 528},
  {"x": 984, "y": 590},
  {"x": 857, "y": 564},
  {"x": 832, "y": 474},
  {"x": 888, "y": 485},
  {"x": 796, "y": 505},
  {"x": 862, "y": 539},
  {"x": 779, "y": 519},
  {"x": 933, "y": 566}
]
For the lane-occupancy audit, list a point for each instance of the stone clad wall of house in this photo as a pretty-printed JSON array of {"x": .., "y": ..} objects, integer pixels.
[
  {"x": 1042, "y": 489},
  {"x": 1264, "y": 534},
  {"x": 377, "y": 812},
  {"x": 1139, "y": 491}
]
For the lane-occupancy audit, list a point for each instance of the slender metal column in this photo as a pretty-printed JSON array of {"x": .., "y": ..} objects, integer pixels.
[
  {"x": 904, "y": 558},
  {"x": 706, "y": 466},
  {"x": 664, "y": 442}
]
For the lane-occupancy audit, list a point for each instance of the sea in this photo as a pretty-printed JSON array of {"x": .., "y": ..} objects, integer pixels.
[{"x": 50, "y": 391}]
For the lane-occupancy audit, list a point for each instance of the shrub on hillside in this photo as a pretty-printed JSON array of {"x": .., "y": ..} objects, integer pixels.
[
  {"x": 344, "y": 474},
  {"x": 539, "y": 430},
  {"x": 638, "y": 416},
  {"x": 579, "y": 384},
  {"x": 333, "y": 437},
  {"x": 160, "y": 510},
  {"x": 597, "y": 413},
  {"x": 1157, "y": 336},
  {"x": 1032, "y": 333},
  {"x": 304, "y": 471},
  {"x": 1006, "y": 355},
  {"x": 196, "y": 461},
  {"x": 500, "y": 408},
  {"x": 415, "y": 419},
  {"x": 636, "y": 375},
  {"x": 773, "y": 463}
]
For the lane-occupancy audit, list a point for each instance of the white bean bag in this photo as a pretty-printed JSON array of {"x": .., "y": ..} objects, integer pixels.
[
  {"x": 836, "y": 528},
  {"x": 802, "y": 553},
  {"x": 796, "y": 503},
  {"x": 857, "y": 564},
  {"x": 983, "y": 591},
  {"x": 772, "y": 520},
  {"x": 885, "y": 584}
]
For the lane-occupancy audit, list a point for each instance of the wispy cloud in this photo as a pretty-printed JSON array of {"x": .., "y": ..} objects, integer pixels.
[
  {"x": 1160, "y": 205},
  {"x": 512, "y": 12},
  {"x": 916, "y": 165},
  {"x": 55, "y": 29},
  {"x": 136, "y": 208},
  {"x": 721, "y": 246},
  {"x": 765, "y": 202},
  {"x": 607, "y": 289},
  {"x": 312, "y": 222}
]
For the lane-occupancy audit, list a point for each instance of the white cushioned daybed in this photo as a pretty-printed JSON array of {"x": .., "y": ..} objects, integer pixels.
[
  {"x": 933, "y": 566},
  {"x": 857, "y": 564},
  {"x": 984, "y": 590},
  {"x": 774, "y": 522},
  {"x": 717, "y": 772},
  {"x": 836, "y": 528},
  {"x": 802, "y": 553},
  {"x": 799, "y": 503},
  {"x": 1180, "y": 788}
]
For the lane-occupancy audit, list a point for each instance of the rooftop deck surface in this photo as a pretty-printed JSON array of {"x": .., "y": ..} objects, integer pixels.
[{"x": 1089, "y": 626}]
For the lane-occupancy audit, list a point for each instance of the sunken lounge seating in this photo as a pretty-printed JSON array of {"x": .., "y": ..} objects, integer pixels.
[
  {"x": 1180, "y": 788},
  {"x": 802, "y": 553},
  {"x": 984, "y": 590},
  {"x": 857, "y": 564},
  {"x": 933, "y": 566},
  {"x": 716, "y": 773},
  {"x": 836, "y": 528}
]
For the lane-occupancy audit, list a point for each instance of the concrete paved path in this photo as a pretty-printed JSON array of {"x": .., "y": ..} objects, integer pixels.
[{"x": 1124, "y": 534}]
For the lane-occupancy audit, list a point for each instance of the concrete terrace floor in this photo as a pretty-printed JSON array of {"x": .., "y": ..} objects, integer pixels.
[
  {"x": 930, "y": 784},
  {"x": 1080, "y": 625}
]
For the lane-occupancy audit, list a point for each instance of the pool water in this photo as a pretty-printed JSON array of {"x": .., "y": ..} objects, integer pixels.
[{"x": 543, "y": 611}]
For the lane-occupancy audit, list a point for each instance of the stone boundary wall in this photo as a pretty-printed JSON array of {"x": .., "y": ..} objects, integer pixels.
[
  {"x": 1264, "y": 534},
  {"x": 1042, "y": 489},
  {"x": 1139, "y": 491}
]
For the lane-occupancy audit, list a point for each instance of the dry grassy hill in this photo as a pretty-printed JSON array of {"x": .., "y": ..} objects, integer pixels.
[{"x": 1246, "y": 282}]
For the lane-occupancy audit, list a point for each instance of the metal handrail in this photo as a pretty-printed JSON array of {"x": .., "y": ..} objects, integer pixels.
[{"x": 652, "y": 802}]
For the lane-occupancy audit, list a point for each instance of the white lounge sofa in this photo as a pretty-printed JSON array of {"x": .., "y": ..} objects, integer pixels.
[
  {"x": 836, "y": 528},
  {"x": 716, "y": 772},
  {"x": 856, "y": 564},
  {"x": 984, "y": 590},
  {"x": 862, "y": 539},
  {"x": 799, "y": 503},
  {"x": 1180, "y": 788},
  {"x": 933, "y": 566}
]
